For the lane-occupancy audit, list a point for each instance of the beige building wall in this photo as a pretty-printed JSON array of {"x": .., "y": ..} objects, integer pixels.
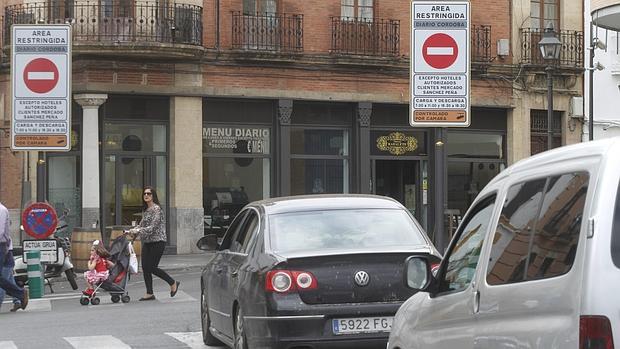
[{"x": 531, "y": 90}]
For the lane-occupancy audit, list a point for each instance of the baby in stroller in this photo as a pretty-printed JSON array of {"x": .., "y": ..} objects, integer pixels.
[
  {"x": 97, "y": 268},
  {"x": 114, "y": 277}
]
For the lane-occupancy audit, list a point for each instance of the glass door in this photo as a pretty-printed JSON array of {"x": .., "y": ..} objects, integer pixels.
[
  {"x": 398, "y": 179},
  {"x": 125, "y": 177}
]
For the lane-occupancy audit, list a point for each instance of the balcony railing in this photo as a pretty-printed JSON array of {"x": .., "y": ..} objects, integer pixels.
[
  {"x": 268, "y": 32},
  {"x": 571, "y": 53},
  {"x": 137, "y": 22},
  {"x": 357, "y": 36},
  {"x": 481, "y": 44}
]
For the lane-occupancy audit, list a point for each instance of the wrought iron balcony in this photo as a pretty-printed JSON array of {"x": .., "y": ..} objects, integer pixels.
[
  {"x": 114, "y": 22},
  {"x": 268, "y": 32},
  {"x": 481, "y": 44},
  {"x": 357, "y": 36},
  {"x": 571, "y": 53}
]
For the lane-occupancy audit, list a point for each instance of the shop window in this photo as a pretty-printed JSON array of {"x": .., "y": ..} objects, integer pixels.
[
  {"x": 64, "y": 181},
  {"x": 319, "y": 161},
  {"x": 134, "y": 137},
  {"x": 538, "y": 130},
  {"x": 236, "y": 171},
  {"x": 474, "y": 158}
]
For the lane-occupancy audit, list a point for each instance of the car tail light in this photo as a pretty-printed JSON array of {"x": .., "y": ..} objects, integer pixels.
[
  {"x": 595, "y": 333},
  {"x": 282, "y": 281}
]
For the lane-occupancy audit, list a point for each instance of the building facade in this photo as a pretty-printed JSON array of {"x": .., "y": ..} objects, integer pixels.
[
  {"x": 216, "y": 103},
  {"x": 602, "y": 23}
]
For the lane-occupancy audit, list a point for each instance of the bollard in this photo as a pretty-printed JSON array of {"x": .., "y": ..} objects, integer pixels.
[{"x": 35, "y": 278}]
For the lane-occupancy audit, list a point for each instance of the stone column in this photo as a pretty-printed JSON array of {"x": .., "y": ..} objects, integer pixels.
[
  {"x": 186, "y": 210},
  {"x": 91, "y": 211}
]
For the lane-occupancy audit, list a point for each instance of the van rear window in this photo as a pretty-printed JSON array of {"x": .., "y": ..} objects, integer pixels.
[{"x": 615, "y": 231}]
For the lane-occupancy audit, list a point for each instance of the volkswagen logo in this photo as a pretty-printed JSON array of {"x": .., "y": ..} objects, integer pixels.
[{"x": 362, "y": 278}]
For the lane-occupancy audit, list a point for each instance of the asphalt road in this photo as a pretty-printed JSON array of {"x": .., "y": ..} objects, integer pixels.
[{"x": 59, "y": 321}]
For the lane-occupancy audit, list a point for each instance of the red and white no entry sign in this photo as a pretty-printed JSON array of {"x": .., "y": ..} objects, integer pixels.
[
  {"x": 440, "y": 51},
  {"x": 41, "y": 75}
]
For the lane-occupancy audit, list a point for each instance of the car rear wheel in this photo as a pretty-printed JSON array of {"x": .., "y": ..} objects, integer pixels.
[
  {"x": 207, "y": 337},
  {"x": 240, "y": 340}
]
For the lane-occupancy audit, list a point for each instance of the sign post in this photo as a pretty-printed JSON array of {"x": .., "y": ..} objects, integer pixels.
[
  {"x": 440, "y": 64},
  {"x": 41, "y": 84}
]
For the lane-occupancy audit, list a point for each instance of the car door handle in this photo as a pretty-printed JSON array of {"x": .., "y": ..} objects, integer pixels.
[
  {"x": 234, "y": 273},
  {"x": 476, "y": 301}
]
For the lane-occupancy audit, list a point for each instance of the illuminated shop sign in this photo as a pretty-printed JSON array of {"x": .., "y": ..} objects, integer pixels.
[{"x": 236, "y": 140}]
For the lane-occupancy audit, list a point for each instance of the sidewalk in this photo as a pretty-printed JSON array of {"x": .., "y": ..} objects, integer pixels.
[{"x": 184, "y": 261}]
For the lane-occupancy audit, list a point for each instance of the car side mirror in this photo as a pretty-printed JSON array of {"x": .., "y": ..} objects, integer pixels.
[
  {"x": 208, "y": 243},
  {"x": 418, "y": 274}
]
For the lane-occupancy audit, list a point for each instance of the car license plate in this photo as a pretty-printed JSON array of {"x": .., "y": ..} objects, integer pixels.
[{"x": 362, "y": 325}]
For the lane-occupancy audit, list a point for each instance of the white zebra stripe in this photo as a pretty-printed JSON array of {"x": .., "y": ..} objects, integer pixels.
[
  {"x": 191, "y": 339},
  {"x": 96, "y": 342},
  {"x": 7, "y": 345}
]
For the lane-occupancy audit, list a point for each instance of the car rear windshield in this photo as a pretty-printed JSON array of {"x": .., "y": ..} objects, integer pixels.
[
  {"x": 615, "y": 231},
  {"x": 343, "y": 230}
]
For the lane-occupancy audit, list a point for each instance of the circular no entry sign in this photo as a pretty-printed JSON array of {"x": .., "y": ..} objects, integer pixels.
[
  {"x": 41, "y": 75},
  {"x": 440, "y": 51},
  {"x": 39, "y": 220}
]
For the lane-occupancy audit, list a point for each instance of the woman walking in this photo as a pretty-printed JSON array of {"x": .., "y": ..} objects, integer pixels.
[{"x": 152, "y": 232}]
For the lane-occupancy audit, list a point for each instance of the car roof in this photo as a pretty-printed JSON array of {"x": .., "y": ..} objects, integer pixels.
[
  {"x": 325, "y": 201},
  {"x": 601, "y": 148}
]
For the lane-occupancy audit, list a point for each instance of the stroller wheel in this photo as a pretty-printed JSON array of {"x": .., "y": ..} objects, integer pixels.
[
  {"x": 84, "y": 301},
  {"x": 126, "y": 299},
  {"x": 95, "y": 301},
  {"x": 116, "y": 298}
]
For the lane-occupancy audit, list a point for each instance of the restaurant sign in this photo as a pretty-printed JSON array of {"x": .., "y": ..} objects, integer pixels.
[{"x": 236, "y": 140}]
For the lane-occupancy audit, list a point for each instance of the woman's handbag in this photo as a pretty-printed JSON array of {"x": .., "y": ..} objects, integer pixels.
[{"x": 133, "y": 260}]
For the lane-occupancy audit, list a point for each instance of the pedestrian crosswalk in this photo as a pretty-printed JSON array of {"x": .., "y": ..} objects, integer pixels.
[
  {"x": 47, "y": 303},
  {"x": 192, "y": 340}
]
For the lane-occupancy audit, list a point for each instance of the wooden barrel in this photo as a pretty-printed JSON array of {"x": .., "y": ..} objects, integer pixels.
[
  {"x": 118, "y": 231},
  {"x": 81, "y": 242}
]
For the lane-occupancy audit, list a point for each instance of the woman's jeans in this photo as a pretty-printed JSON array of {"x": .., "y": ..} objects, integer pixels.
[{"x": 151, "y": 254}]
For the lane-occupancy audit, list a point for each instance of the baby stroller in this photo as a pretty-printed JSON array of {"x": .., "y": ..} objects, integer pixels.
[{"x": 116, "y": 284}]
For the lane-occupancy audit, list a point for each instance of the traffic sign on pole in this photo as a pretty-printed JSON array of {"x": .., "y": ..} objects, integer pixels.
[
  {"x": 41, "y": 81},
  {"x": 440, "y": 64},
  {"x": 39, "y": 220}
]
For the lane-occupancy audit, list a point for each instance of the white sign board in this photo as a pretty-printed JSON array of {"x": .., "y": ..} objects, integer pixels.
[
  {"x": 48, "y": 248},
  {"x": 440, "y": 60},
  {"x": 41, "y": 81}
]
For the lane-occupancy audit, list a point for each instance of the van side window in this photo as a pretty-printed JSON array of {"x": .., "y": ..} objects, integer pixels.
[
  {"x": 615, "y": 231},
  {"x": 538, "y": 229},
  {"x": 559, "y": 223},
  {"x": 465, "y": 252},
  {"x": 512, "y": 235}
]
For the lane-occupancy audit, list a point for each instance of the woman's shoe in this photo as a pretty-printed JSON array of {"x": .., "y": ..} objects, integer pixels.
[
  {"x": 173, "y": 293},
  {"x": 151, "y": 298}
]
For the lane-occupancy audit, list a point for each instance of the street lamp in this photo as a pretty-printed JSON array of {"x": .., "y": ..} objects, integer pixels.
[{"x": 550, "y": 48}]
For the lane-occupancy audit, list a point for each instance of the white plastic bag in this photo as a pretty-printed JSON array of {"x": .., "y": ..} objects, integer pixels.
[{"x": 133, "y": 260}]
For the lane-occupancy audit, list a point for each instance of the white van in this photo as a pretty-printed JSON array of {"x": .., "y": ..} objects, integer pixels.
[{"x": 535, "y": 262}]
